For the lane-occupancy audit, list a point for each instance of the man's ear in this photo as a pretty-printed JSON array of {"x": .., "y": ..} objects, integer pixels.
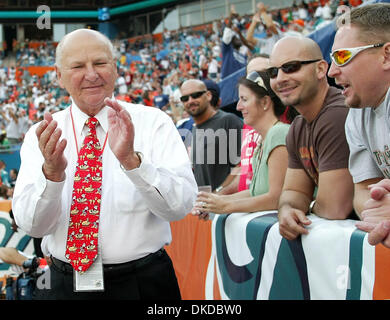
[
  {"x": 58, "y": 73},
  {"x": 209, "y": 95},
  {"x": 386, "y": 56},
  {"x": 322, "y": 69}
]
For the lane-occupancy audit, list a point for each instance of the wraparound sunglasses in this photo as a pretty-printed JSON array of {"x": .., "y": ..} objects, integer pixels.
[{"x": 341, "y": 57}]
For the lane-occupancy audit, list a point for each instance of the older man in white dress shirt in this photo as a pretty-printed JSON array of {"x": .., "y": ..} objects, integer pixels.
[{"x": 146, "y": 181}]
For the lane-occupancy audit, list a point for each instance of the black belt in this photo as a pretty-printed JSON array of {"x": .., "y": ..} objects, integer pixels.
[{"x": 116, "y": 268}]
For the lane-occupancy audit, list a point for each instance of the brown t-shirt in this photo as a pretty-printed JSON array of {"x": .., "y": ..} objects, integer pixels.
[{"x": 321, "y": 144}]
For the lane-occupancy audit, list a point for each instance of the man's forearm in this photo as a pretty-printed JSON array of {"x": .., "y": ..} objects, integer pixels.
[
  {"x": 250, "y": 33},
  {"x": 358, "y": 204},
  {"x": 294, "y": 199},
  {"x": 362, "y": 194}
]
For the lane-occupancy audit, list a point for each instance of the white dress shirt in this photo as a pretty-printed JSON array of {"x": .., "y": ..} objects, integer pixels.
[{"x": 136, "y": 205}]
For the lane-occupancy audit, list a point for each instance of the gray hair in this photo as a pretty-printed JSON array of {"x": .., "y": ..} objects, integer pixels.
[
  {"x": 373, "y": 21},
  {"x": 61, "y": 44}
]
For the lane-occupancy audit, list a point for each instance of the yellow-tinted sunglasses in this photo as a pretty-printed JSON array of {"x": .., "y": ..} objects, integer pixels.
[{"x": 341, "y": 57}]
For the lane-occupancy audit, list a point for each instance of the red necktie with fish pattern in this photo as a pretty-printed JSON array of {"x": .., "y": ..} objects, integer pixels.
[{"x": 82, "y": 241}]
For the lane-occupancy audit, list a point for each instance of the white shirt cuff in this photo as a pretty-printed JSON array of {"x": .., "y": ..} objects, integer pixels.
[
  {"x": 143, "y": 176},
  {"x": 52, "y": 189}
]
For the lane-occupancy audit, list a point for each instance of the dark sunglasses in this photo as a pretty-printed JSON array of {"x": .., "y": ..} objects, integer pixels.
[
  {"x": 288, "y": 67},
  {"x": 194, "y": 95}
]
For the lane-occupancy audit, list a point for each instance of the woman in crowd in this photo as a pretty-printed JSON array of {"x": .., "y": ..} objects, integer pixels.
[{"x": 261, "y": 109}]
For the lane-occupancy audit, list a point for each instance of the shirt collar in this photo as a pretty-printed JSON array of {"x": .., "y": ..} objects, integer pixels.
[{"x": 79, "y": 118}]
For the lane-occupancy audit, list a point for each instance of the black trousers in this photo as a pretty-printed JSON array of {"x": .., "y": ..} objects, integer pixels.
[{"x": 149, "y": 278}]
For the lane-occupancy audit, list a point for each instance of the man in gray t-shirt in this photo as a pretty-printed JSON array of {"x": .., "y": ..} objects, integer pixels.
[
  {"x": 361, "y": 65},
  {"x": 216, "y": 146},
  {"x": 216, "y": 135},
  {"x": 368, "y": 135}
]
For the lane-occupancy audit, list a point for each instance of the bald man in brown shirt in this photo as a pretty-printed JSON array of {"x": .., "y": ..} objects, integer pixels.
[{"x": 317, "y": 179}]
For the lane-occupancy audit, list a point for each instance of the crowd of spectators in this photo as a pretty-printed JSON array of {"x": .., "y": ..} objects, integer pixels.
[{"x": 150, "y": 71}]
